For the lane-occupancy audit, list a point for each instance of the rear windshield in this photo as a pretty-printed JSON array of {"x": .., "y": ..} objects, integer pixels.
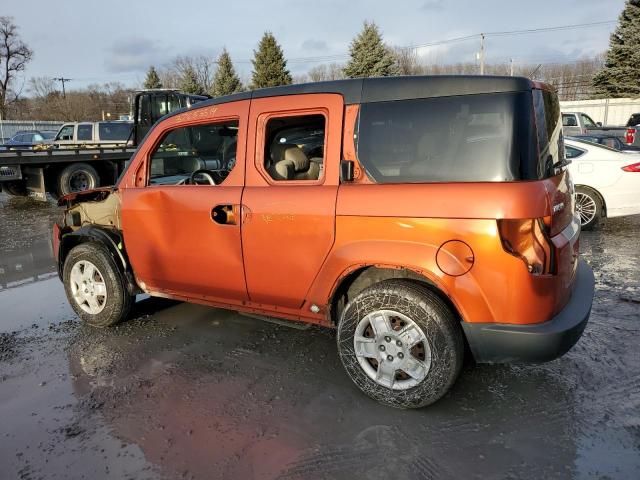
[
  {"x": 119, "y": 131},
  {"x": 467, "y": 138}
]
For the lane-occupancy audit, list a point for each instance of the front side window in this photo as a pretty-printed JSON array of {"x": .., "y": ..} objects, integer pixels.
[
  {"x": 208, "y": 149},
  {"x": 85, "y": 132},
  {"x": 587, "y": 121},
  {"x": 294, "y": 148},
  {"x": 466, "y": 138},
  {"x": 66, "y": 133}
]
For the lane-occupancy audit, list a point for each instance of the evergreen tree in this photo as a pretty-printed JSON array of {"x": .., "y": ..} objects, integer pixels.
[
  {"x": 225, "y": 81},
  {"x": 269, "y": 65},
  {"x": 189, "y": 82},
  {"x": 370, "y": 57},
  {"x": 620, "y": 76},
  {"x": 152, "y": 80}
]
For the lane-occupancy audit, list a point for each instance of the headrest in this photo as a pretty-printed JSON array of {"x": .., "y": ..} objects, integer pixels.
[{"x": 292, "y": 153}]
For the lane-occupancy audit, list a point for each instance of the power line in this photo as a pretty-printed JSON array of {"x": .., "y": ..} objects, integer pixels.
[{"x": 63, "y": 80}]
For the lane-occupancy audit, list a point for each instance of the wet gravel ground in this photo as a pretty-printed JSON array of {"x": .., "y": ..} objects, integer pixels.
[{"x": 184, "y": 391}]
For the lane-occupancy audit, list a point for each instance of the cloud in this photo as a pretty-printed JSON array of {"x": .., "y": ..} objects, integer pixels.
[
  {"x": 312, "y": 44},
  {"x": 433, "y": 5},
  {"x": 133, "y": 55}
]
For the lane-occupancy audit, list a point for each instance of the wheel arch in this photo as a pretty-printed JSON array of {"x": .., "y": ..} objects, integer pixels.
[
  {"x": 108, "y": 238},
  {"x": 354, "y": 280}
]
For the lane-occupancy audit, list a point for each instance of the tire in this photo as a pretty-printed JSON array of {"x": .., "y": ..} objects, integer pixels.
[
  {"x": 589, "y": 206},
  {"x": 439, "y": 353},
  {"x": 114, "y": 305},
  {"x": 17, "y": 188},
  {"x": 76, "y": 178}
]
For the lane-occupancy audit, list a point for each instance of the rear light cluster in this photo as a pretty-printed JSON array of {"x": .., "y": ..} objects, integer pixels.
[
  {"x": 630, "y": 136},
  {"x": 634, "y": 167},
  {"x": 528, "y": 240}
]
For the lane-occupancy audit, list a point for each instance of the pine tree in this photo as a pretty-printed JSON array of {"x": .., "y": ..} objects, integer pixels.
[
  {"x": 269, "y": 65},
  {"x": 225, "y": 81},
  {"x": 370, "y": 57},
  {"x": 152, "y": 80},
  {"x": 189, "y": 82},
  {"x": 620, "y": 76}
]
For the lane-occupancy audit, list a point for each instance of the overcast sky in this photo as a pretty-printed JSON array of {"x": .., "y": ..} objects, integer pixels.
[{"x": 117, "y": 40}]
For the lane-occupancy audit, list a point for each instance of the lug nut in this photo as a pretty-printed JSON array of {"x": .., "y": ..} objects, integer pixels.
[
  {"x": 382, "y": 348},
  {"x": 390, "y": 358},
  {"x": 400, "y": 355},
  {"x": 387, "y": 339},
  {"x": 398, "y": 343}
]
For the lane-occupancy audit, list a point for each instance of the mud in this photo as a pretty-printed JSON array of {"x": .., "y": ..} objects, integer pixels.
[{"x": 184, "y": 391}]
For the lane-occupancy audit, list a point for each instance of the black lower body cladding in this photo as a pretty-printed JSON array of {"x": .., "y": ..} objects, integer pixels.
[{"x": 540, "y": 342}]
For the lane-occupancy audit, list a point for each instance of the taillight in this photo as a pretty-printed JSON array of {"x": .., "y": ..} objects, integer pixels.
[
  {"x": 630, "y": 136},
  {"x": 634, "y": 167},
  {"x": 527, "y": 239}
]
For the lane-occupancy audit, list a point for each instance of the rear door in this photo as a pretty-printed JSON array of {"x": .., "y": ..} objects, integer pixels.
[{"x": 290, "y": 194}]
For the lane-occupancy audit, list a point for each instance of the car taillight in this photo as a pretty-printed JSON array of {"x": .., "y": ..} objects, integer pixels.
[
  {"x": 630, "y": 136},
  {"x": 527, "y": 239},
  {"x": 634, "y": 167}
]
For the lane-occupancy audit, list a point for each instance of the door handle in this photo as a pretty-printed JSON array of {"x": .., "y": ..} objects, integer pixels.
[{"x": 226, "y": 214}]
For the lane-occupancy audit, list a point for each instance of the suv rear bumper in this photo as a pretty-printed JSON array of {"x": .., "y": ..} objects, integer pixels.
[{"x": 540, "y": 342}]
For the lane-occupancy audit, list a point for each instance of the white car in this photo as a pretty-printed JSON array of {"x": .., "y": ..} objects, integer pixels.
[{"x": 607, "y": 181}]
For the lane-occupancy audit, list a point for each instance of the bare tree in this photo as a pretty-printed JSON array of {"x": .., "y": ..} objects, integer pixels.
[
  {"x": 407, "y": 61},
  {"x": 321, "y": 73},
  {"x": 14, "y": 56},
  {"x": 202, "y": 65}
]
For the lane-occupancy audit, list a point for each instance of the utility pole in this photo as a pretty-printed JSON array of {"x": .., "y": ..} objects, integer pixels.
[
  {"x": 482, "y": 54},
  {"x": 63, "y": 80}
]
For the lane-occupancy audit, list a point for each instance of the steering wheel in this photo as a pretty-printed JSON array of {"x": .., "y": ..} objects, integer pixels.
[{"x": 208, "y": 175}]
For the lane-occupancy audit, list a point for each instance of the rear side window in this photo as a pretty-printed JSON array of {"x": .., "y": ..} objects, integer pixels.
[
  {"x": 85, "y": 132},
  {"x": 117, "y": 131},
  {"x": 467, "y": 138},
  {"x": 572, "y": 152}
]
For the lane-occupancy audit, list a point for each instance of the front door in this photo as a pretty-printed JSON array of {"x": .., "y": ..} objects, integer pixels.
[
  {"x": 182, "y": 225},
  {"x": 290, "y": 194}
]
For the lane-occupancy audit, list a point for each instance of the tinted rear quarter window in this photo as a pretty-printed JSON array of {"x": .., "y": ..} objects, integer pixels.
[
  {"x": 549, "y": 129},
  {"x": 467, "y": 138}
]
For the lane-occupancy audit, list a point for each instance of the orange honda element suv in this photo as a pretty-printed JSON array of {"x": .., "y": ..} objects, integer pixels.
[{"x": 421, "y": 217}]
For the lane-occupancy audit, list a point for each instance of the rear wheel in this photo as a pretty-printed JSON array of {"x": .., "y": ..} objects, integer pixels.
[
  {"x": 589, "y": 207},
  {"x": 77, "y": 177},
  {"x": 401, "y": 344},
  {"x": 95, "y": 286}
]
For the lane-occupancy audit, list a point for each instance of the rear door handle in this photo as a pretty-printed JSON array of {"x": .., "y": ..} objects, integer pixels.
[{"x": 226, "y": 214}]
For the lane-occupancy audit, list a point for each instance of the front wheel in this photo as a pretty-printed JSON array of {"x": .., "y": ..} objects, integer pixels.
[
  {"x": 401, "y": 344},
  {"x": 15, "y": 188},
  {"x": 95, "y": 286}
]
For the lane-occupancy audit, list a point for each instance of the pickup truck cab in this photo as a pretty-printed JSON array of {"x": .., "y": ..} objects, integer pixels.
[
  {"x": 94, "y": 134},
  {"x": 579, "y": 123},
  {"x": 414, "y": 215}
]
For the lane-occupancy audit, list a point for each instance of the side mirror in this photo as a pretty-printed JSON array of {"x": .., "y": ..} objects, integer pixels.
[
  {"x": 599, "y": 124},
  {"x": 346, "y": 170}
]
